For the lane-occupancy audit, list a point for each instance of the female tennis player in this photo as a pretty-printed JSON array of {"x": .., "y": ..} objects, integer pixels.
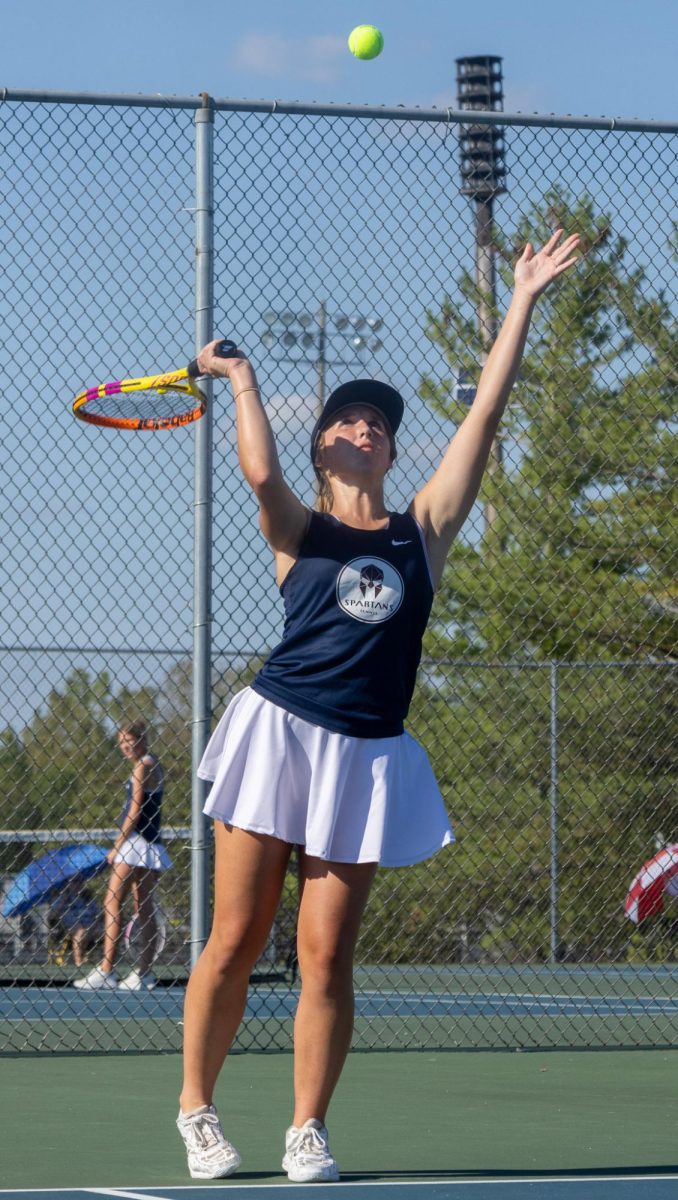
[
  {"x": 314, "y": 753},
  {"x": 136, "y": 860}
]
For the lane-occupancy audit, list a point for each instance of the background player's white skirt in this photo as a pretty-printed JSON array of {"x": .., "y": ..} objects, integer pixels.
[
  {"x": 345, "y": 799},
  {"x": 137, "y": 852}
]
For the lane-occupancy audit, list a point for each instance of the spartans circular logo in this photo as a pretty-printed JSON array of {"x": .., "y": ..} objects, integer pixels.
[{"x": 369, "y": 589}]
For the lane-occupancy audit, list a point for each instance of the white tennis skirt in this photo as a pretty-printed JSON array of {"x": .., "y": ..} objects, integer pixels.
[
  {"x": 137, "y": 852},
  {"x": 345, "y": 799}
]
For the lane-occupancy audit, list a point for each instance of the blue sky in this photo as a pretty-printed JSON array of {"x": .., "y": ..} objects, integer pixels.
[
  {"x": 595, "y": 57},
  {"x": 73, "y": 571}
]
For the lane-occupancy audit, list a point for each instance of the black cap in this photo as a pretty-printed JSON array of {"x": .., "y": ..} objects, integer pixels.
[{"x": 378, "y": 395}]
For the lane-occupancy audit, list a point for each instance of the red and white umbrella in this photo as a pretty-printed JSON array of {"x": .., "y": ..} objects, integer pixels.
[{"x": 656, "y": 878}]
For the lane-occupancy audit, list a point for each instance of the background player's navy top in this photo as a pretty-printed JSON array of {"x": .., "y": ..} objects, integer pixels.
[
  {"x": 148, "y": 822},
  {"x": 356, "y": 607}
]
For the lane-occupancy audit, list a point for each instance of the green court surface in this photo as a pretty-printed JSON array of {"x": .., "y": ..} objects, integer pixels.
[{"x": 108, "y": 1122}]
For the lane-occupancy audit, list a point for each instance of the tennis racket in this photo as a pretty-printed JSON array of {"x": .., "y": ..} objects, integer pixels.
[
  {"x": 131, "y": 937},
  {"x": 151, "y": 402}
]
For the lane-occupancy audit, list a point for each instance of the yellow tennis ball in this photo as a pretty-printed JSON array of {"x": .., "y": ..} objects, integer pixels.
[{"x": 366, "y": 41}]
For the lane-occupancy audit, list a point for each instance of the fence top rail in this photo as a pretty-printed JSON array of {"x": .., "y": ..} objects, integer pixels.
[
  {"x": 10, "y": 836},
  {"x": 550, "y": 664},
  {"x": 447, "y": 116},
  {"x": 250, "y": 652}
]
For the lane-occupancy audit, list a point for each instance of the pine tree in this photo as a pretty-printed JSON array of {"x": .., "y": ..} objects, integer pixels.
[
  {"x": 578, "y": 564},
  {"x": 581, "y": 562}
]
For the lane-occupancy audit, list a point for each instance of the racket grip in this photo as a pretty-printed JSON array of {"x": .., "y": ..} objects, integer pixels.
[{"x": 225, "y": 349}]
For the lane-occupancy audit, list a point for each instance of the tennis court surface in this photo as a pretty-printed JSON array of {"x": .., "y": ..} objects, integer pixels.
[{"x": 412, "y": 1125}]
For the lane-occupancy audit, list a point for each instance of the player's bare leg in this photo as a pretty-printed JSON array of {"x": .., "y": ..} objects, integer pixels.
[
  {"x": 333, "y": 899},
  {"x": 118, "y": 886},
  {"x": 249, "y": 875}
]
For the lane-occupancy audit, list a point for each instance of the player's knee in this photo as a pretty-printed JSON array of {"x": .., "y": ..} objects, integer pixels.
[
  {"x": 325, "y": 965},
  {"x": 233, "y": 950}
]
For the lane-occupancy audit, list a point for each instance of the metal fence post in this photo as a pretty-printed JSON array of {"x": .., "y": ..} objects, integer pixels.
[
  {"x": 554, "y": 812},
  {"x": 202, "y": 577}
]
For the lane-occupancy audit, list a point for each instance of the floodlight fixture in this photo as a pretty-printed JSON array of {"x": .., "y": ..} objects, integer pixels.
[{"x": 481, "y": 146}]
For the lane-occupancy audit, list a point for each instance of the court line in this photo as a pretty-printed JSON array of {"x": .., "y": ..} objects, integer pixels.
[
  {"x": 567, "y": 1005},
  {"x": 420, "y": 1183},
  {"x": 411, "y": 998},
  {"x": 125, "y": 1195},
  {"x": 417, "y": 1183},
  {"x": 430, "y": 1183}
]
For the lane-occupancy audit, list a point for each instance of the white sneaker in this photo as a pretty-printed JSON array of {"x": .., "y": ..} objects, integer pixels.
[
  {"x": 97, "y": 980},
  {"x": 307, "y": 1154},
  {"x": 210, "y": 1155},
  {"x": 134, "y": 982}
]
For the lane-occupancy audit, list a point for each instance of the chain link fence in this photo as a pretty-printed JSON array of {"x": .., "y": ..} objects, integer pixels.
[{"x": 343, "y": 247}]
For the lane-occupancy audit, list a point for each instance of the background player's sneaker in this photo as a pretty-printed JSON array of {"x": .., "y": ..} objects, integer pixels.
[
  {"x": 96, "y": 980},
  {"x": 134, "y": 982},
  {"x": 210, "y": 1154},
  {"x": 307, "y": 1154}
]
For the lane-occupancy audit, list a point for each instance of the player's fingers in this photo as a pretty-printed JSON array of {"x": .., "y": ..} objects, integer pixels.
[
  {"x": 563, "y": 266},
  {"x": 565, "y": 251},
  {"x": 553, "y": 241},
  {"x": 568, "y": 245},
  {"x": 572, "y": 240},
  {"x": 219, "y": 367},
  {"x": 211, "y": 363}
]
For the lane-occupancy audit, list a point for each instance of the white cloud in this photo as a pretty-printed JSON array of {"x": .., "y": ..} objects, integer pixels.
[
  {"x": 312, "y": 59},
  {"x": 292, "y": 416},
  {"x": 292, "y": 419},
  {"x": 525, "y": 98}
]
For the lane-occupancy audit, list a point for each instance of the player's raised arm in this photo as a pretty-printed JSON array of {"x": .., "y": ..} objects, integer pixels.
[
  {"x": 282, "y": 516},
  {"x": 443, "y": 504}
]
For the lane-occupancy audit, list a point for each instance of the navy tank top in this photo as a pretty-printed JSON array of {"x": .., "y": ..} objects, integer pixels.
[
  {"x": 148, "y": 822},
  {"x": 356, "y": 606}
]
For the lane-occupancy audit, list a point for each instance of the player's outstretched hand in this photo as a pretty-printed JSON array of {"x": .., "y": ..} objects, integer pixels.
[{"x": 536, "y": 270}]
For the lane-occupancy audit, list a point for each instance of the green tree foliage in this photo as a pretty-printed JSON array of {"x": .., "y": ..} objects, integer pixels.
[
  {"x": 174, "y": 724},
  {"x": 487, "y": 731},
  {"x": 65, "y": 771},
  {"x": 19, "y": 803},
  {"x": 580, "y": 564},
  {"x": 581, "y": 561}
]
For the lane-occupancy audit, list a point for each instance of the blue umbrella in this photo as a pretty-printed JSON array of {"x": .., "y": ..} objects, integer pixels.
[{"x": 45, "y": 876}]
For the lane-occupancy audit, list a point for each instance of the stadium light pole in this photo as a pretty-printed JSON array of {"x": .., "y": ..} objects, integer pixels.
[
  {"x": 481, "y": 150},
  {"x": 303, "y": 337}
]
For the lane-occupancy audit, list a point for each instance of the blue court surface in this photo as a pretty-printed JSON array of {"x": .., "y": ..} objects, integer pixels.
[
  {"x": 63, "y": 1004},
  {"x": 592, "y": 1187}
]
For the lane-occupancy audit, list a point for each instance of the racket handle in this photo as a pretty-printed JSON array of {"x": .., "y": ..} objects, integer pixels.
[{"x": 225, "y": 349}]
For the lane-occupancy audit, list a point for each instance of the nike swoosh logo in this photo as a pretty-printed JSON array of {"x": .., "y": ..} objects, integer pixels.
[{"x": 405, "y": 543}]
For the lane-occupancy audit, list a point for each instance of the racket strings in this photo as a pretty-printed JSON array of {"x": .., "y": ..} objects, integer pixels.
[{"x": 148, "y": 404}]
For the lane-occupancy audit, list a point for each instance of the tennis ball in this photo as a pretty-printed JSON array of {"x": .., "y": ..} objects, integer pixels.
[{"x": 366, "y": 41}]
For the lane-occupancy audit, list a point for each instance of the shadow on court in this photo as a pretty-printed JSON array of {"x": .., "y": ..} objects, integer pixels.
[
  {"x": 396, "y": 1118},
  {"x": 437, "y": 1176}
]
